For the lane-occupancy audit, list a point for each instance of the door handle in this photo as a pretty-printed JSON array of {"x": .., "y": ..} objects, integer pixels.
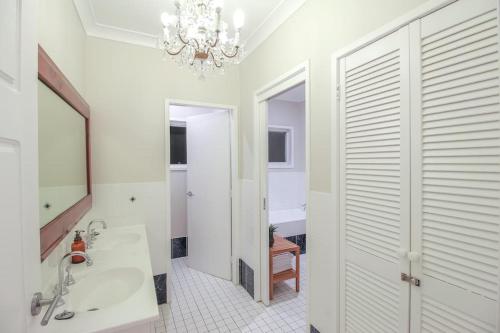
[{"x": 190, "y": 194}]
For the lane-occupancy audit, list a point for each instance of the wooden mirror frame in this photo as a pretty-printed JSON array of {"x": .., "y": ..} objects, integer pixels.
[{"x": 54, "y": 232}]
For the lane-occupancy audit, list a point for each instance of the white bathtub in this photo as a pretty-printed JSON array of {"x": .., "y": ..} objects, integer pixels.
[{"x": 290, "y": 222}]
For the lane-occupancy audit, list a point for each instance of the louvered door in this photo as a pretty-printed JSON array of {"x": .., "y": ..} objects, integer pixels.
[
  {"x": 456, "y": 168},
  {"x": 374, "y": 195}
]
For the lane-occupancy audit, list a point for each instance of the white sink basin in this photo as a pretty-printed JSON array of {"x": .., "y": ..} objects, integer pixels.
[
  {"x": 117, "y": 240},
  {"x": 105, "y": 289}
]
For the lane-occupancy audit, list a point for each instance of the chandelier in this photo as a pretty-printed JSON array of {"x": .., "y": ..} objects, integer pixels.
[{"x": 198, "y": 38}]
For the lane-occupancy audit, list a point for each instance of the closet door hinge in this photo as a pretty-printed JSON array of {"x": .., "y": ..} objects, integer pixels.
[
  {"x": 338, "y": 92},
  {"x": 264, "y": 203},
  {"x": 410, "y": 279}
]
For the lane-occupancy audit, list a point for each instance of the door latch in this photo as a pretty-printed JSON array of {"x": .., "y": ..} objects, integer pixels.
[{"x": 410, "y": 279}]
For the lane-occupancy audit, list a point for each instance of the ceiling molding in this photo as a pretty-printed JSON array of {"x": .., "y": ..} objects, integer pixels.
[
  {"x": 275, "y": 18},
  {"x": 94, "y": 29}
]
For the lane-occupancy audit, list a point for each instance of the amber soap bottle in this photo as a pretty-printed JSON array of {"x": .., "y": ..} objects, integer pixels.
[{"x": 78, "y": 245}]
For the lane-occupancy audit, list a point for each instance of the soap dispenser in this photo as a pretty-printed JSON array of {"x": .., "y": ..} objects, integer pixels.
[{"x": 78, "y": 245}]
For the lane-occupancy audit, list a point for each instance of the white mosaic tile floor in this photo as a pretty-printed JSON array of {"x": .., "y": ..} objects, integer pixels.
[{"x": 203, "y": 303}]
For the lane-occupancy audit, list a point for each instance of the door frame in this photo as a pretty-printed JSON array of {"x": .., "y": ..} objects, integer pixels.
[
  {"x": 235, "y": 184},
  {"x": 293, "y": 77},
  {"x": 427, "y": 8}
]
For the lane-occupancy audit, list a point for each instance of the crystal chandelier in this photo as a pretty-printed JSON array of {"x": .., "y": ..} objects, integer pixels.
[{"x": 198, "y": 38}]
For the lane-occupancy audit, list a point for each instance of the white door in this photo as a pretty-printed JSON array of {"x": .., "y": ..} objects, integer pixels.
[
  {"x": 375, "y": 186},
  {"x": 19, "y": 225},
  {"x": 456, "y": 169},
  {"x": 209, "y": 193}
]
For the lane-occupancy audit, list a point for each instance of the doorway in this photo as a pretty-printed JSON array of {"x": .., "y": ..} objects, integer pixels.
[
  {"x": 202, "y": 188},
  {"x": 280, "y": 136}
]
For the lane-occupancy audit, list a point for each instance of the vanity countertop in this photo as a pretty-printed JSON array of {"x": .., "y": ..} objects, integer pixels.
[{"x": 117, "y": 292}]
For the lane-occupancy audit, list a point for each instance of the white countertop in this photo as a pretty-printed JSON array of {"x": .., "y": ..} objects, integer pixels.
[{"x": 119, "y": 256}]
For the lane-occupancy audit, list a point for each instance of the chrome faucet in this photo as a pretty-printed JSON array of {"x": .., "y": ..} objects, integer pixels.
[
  {"x": 91, "y": 233},
  {"x": 60, "y": 284}
]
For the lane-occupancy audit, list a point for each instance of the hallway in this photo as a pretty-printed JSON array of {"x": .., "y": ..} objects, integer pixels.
[{"x": 202, "y": 303}]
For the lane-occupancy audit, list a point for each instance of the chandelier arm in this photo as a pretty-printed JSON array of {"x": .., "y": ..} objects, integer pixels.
[
  {"x": 231, "y": 55},
  {"x": 216, "y": 40},
  {"x": 218, "y": 65},
  {"x": 185, "y": 42},
  {"x": 174, "y": 53}
]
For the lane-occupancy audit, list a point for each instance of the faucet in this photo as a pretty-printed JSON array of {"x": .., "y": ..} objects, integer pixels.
[
  {"x": 60, "y": 284},
  {"x": 91, "y": 233},
  {"x": 304, "y": 206}
]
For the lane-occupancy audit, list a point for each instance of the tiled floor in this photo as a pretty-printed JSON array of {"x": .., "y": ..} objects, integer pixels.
[{"x": 203, "y": 303}]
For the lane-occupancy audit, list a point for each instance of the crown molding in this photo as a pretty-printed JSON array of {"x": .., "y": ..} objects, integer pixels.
[
  {"x": 275, "y": 18},
  {"x": 92, "y": 28}
]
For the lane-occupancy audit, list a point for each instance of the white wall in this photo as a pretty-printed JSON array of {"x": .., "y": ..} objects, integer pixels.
[
  {"x": 290, "y": 114},
  {"x": 287, "y": 186}
]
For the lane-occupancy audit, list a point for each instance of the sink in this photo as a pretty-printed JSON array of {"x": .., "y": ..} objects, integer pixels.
[
  {"x": 105, "y": 289},
  {"x": 117, "y": 240}
]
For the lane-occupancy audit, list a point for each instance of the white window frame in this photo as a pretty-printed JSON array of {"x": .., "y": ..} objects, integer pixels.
[
  {"x": 178, "y": 123},
  {"x": 289, "y": 146}
]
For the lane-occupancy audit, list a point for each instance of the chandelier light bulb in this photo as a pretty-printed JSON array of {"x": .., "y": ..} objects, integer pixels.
[
  {"x": 167, "y": 19},
  {"x": 238, "y": 19}
]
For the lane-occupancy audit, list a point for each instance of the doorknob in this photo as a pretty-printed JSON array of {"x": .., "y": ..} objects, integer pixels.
[{"x": 190, "y": 194}]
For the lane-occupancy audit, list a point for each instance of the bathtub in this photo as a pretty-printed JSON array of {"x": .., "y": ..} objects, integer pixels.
[{"x": 290, "y": 222}]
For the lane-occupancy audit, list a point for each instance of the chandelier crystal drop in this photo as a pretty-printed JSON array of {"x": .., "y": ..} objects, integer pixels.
[{"x": 197, "y": 37}]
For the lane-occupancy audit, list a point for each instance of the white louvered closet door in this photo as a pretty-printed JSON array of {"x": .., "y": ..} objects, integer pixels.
[
  {"x": 456, "y": 168},
  {"x": 375, "y": 192}
]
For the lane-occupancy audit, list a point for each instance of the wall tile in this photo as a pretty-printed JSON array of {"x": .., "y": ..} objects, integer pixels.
[
  {"x": 161, "y": 288},
  {"x": 300, "y": 240},
  {"x": 179, "y": 247},
  {"x": 246, "y": 277},
  {"x": 314, "y": 329}
]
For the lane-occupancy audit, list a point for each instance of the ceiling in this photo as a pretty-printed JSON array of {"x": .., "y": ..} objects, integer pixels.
[
  {"x": 138, "y": 21},
  {"x": 296, "y": 94}
]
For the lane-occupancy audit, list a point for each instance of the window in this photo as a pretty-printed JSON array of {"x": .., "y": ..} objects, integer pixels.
[
  {"x": 280, "y": 149},
  {"x": 178, "y": 153}
]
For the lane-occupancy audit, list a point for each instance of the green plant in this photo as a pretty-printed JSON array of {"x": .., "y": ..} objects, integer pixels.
[{"x": 272, "y": 229}]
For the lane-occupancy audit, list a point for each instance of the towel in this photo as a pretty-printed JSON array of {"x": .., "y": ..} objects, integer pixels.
[{"x": 282, "y": 262}]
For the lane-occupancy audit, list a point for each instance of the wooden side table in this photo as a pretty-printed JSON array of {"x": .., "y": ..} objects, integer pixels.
[{"x": 281, "y": 245}]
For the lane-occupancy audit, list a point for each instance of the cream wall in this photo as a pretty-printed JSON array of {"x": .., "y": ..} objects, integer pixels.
[
  {"x": 126, "y": 88},
  {"x": 61, "y": 34},
  {"x": 312, "y": 33}
]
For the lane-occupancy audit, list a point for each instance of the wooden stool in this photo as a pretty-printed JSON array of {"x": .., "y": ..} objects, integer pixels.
[{"x": 281, "y": 245}]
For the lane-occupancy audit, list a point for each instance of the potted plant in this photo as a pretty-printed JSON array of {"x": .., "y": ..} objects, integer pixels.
[{"x": 272, "y": 229}]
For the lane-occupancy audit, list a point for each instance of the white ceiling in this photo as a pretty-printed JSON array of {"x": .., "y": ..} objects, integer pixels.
[
  {"x": 138, "y": 21},
  {"x": 296, "y": 94}
]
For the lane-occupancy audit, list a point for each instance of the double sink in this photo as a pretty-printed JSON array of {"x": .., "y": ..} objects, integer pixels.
[{"x": 116, "y": 293}]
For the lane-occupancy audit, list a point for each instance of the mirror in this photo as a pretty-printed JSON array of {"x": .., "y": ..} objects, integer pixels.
[
  {"x": 62, "y": 153},
  {"x": 65, "y": 189}
]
